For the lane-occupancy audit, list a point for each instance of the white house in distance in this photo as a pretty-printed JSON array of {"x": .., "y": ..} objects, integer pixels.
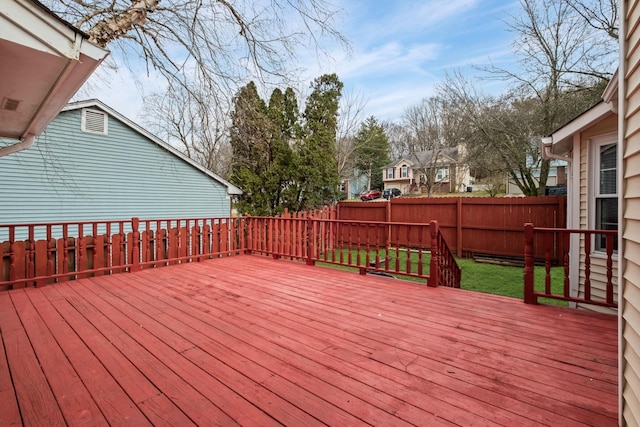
[
  {"x": 44, "y": 62},
  {"x": 452, "y": 174},
  {"x": 557, "y": 177},
  {"x": 91, "y": 163}
]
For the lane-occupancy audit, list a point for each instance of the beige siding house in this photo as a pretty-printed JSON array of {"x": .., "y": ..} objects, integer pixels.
[
  {"x": 589, "y": 145},
  {"x": 449, "y": 171},
  {"x": 629, "y": 264}
]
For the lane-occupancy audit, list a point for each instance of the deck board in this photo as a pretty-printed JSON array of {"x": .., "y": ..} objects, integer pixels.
[{"x": 249, "y": 340}]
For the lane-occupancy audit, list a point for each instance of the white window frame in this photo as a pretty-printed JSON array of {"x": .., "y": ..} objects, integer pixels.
[
  {"x": 442, "y": 174},
  {"x": 596, "y": 144},
  {"x": 390, "y": 173},
  {"x": 404, "y": 171},
  {"x": 105, "y": 124}
]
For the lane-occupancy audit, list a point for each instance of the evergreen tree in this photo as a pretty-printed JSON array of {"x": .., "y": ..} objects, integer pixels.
[
  {"x": 279, "y": 162},
  {"x": 372, "y": 151},
  {"x": 279, "y": 177},
  {"x": 249, "y": 138},
  {"x": 317, "y": 172}
]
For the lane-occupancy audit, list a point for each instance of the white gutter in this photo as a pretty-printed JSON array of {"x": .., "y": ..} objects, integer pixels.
[
  {"x": 25, "y": 143},
  {"x": 546, "y": 146}
]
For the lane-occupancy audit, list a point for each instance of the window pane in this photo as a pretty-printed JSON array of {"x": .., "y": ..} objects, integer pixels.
[
  {"x": 608, "y": 175},
  {"x": 608, "y": 156},
  {"x": 608, "y": 182},
  {"x": 606, "y": 219}
]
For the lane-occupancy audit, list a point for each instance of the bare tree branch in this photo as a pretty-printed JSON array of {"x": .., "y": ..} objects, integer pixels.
[{"x": 222, "y": 42}]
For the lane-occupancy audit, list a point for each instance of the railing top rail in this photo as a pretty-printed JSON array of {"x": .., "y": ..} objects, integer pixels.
[
  {"x": 575, "y": 230},
  {"x": 350, "y": 221},
  {"x": 195, "y": 218},
  {"x": 112, "y": 221},
  {"x": 345, "y": 221},
  {"x": 60, "y": 223}
]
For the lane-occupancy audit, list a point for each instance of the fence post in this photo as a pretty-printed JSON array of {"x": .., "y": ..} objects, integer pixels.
[
  {"x": 135, "y": 249},
  {"x": 310, "y": 241},
  {"x": 435, "y": 253},
  {"x": 529, "y": 297},
  {"x": 459, "y": 228}
]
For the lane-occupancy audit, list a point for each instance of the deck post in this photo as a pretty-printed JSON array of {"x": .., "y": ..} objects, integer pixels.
[
  {"x": 435, "y": 253},
  {"x": 310, "y": 241},
  {"x": 135, "y": 248},
  {"x": 529, "y": 297},
  {"x": 12, "y": 253}
]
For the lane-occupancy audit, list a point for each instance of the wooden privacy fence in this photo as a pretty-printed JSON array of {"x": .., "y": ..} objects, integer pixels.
[
  {"x": 546, "y": 239},
  {"x": 471, "y": 225},
  {"x": 406, "y": 249},
  {"x": 40, "y": 254}
]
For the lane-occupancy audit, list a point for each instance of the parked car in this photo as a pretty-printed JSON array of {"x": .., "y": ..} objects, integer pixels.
[
  {"x": 390, "y": 193},
  {"x": 370, "y": 195}
]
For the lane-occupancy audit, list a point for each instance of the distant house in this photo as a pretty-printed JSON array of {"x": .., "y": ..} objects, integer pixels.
[
  {"x": 408, "y": 173},
  {"x": 44, "y": 62},
  {"x": 356, "y": 185},
  {"x": 589, "y": 144},
  {"x": 557, "y": 177},
  {"x": 92, "y": 163}
]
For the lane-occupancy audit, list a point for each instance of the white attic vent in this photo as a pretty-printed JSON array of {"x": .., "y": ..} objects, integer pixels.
[{"x": 94, "y": 121}]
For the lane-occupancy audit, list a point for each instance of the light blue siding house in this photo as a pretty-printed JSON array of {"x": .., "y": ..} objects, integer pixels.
[{"x": 92, "y": 163}]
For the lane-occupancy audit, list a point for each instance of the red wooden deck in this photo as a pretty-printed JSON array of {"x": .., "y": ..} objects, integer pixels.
[{"x": 250, "y": 340}]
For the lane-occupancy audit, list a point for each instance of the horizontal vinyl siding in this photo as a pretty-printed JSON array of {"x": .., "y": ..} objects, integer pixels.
[
  {"x": 598, "y": 262},
  {"x": 70, "y": 175},
  {"x": 630, "y": 324},
  {"x": 631, "y": 277}
]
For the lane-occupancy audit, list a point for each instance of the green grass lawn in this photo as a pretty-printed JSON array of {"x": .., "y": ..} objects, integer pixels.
[
  {"x": 507, "y": 280},
  {"x": 480, "y": 277}
]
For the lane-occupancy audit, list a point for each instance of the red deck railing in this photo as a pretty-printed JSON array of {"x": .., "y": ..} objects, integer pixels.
[
  {"x": 550, "y": 239},
  {"x": 404, "y": 249},
  {"x": 45, "y": 253}
]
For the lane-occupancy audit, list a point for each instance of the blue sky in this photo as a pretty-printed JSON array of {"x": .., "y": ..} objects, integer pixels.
[
  {"x": 400, "y": 51},
  {"x": 403, "y": 49}
]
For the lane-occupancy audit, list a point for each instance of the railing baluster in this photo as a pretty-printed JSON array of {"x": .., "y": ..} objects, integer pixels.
[
  {"x": 548, "y": 239},
  {"x": 609, "y": 289},
  {"x": 109, "y": 248},
  {"x": 586, "y": 263},
  {"x": 94, "y": 255},
  {"x": 65, "y": 249},
  {"x": 408, "y": 262},
  {"x": 587, "y": 266},
  {"x": 50, "y": 248},
  {"x": 420, "y": 249},
  {"x": 529, "y": 291},
  {"x": 31, "y": 254},
  {"x": 12, "y": 253}
]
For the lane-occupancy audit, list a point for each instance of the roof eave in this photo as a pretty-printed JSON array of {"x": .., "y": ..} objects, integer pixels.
[
  {"x": 48, "y": 60},
  {"x": 561, "y": 141}
]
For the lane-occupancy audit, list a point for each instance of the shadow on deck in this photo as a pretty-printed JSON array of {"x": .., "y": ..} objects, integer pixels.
[{"x": 254, "y": 341}]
